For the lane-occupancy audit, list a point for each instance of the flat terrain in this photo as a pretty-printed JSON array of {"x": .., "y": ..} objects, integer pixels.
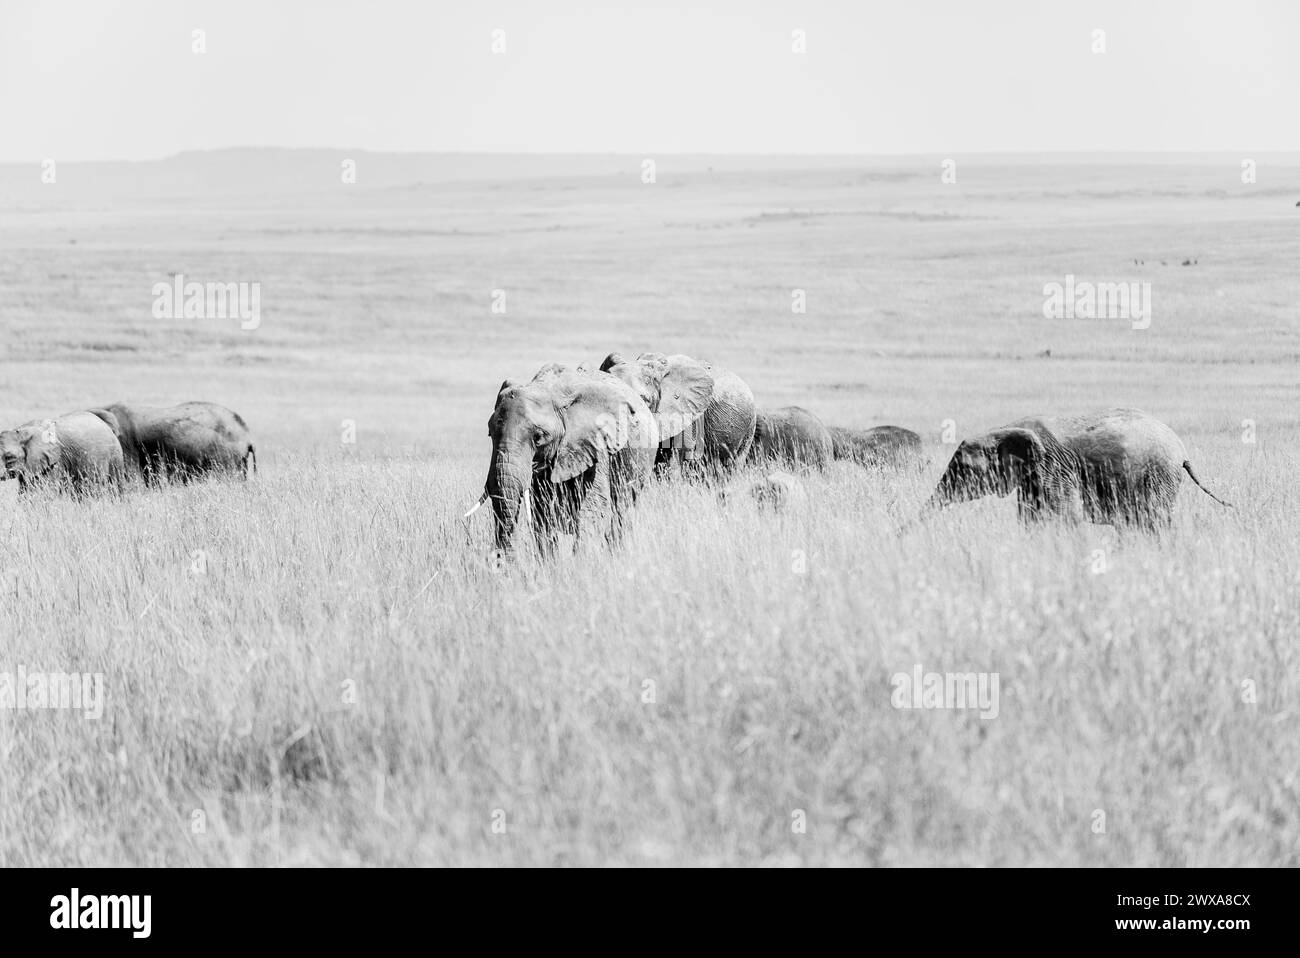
[{"x": 320, "y": 666}]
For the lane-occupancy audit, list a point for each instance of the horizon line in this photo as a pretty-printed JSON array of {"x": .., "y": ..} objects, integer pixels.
[{"x": 831, "y": 154}]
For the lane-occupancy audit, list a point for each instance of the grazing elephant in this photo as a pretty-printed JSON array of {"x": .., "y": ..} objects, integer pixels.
[
  {"x": 580, "y": 444},
  {"x": 881, "y": 446},
  {"x": 78, "y": 452},
  {"x": 182, "y": 442},
  {"x": 791, "y": 436},
  {"x": 1120, "y": 467},
  {"x": 705, "y": 413}
]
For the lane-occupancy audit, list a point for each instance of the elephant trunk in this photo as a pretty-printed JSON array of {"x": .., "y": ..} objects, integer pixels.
[
  {"x": 932, "y": 505},
  {"x": 509, "y": 476},
  {"x": 958, "y": 484}
]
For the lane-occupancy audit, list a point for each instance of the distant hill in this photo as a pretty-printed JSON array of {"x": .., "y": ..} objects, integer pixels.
[
  {"x": 269, "y": 172},
  {"x": 257, "y": 171}
]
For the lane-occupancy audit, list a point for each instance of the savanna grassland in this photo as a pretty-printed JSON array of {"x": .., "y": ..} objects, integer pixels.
[{"x": 319, "y": 666}]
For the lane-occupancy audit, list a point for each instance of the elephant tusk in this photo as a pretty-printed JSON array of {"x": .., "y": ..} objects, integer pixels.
[{"x": 478, "y": 505}]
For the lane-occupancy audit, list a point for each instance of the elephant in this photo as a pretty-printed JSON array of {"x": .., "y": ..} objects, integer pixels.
[
  {"x": 880, "y": 446},
  {"x": 182, "y": 442},
  {"x": 778, "y": 491},
  {"x": 705, "y": 413},
  {"x": 791, "y": 435},
  {"x": 579, "y": 444},
  {"x": 78, "y": 452},
  {"x": 1121, "y": 467}
]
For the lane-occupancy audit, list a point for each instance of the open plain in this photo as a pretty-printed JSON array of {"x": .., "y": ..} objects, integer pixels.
[{"x": 321, "y": 666}]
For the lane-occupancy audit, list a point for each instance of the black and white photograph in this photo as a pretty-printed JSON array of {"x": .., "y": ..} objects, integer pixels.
[{"x": 638, "y": 435}]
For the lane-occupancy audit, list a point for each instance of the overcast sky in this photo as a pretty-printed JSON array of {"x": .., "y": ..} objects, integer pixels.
[{"x": 95, "y": 79}]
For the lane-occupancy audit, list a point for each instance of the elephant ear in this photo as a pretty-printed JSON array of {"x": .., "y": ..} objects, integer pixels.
[
  {"x": 109, "y": 420},
  {"x": 11, "y": 448},
  {"x": 684, "y": 394},
  {"x": 598, "y": 421},
  {"x": 39, "y": 448},
  {"x": 552, "y": 371},
  {"x": 1019, "y": 452},
  {"x": 642, "y": 377}
]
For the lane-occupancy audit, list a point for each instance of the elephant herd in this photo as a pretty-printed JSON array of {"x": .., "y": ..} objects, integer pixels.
[
  {"x": 574, "y": 446},
  {"x": 107, "y": 447}
]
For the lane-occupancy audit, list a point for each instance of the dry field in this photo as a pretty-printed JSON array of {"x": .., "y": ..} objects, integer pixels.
[{"x": 320, "y": 666}]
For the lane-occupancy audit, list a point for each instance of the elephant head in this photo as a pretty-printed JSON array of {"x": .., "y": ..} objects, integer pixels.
[
  {"x": 555, "y": 429},
  {"x": 676, "y": 389},
  {"x": 12, "y": 456},
  {"x": 30, "y": 451},
  {"x": 996, "y": 464}
]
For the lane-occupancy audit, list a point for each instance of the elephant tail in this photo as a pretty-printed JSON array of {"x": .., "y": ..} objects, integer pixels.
[
  {"x": 251, "y": 458},
  {"x": 1188, "y": 466}
]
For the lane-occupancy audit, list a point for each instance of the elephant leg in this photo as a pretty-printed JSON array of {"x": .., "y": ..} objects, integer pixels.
[
  {"x": 742, "y": 449},
  {"x": 1124, "y": 506},
  {"x": 1163, "y": 507},
  {"x": 546, "y": 537},
  {"x": 1157, "y": 494},
  {"x": 596, "y": 507},
  {"x": 1065, "y": 501},
  {"x": 1120, "y": 503},
  {"x": 622, "y": 499},
  {"x": 666, "y": 461},
  {"x": 545, "y": 504},
  {"x": 693, "y": 452},
  {"x": 695, "y": 468},
  {"x": 1029, "y": 512},
  {"x": 1072, "y": 506},
  {"x": 1053, "y": 496},
  {"x": 1097, "y": 496}
]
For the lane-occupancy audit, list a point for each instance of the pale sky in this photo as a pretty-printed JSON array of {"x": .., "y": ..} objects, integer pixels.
[{"x": 98, "y": 80}]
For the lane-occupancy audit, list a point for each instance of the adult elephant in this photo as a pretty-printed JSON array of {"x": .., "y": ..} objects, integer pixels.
[
  {"x": 1120, "y": 466},
  {"x": 705, "y": 412},
  {"x": 791, "y": 436},
  {"x": 78, "y": 452},
  {"x": 879, "y": 446},
  {"x": 580, "y": 444},
  {"x": 182, "y": 442}
]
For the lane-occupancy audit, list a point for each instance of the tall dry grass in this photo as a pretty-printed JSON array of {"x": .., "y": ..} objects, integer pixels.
[
  {"x": 321, "y": 667},
  {"x": 347, "y": 681}
]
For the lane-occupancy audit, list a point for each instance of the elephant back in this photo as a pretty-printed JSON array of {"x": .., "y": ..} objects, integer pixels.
[
  {"x": 89, "y": 447},
  {"x": 729, "y": 419},
  {"x": 1124, "y": 443},
  {"x": 792, "y": 435}
]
